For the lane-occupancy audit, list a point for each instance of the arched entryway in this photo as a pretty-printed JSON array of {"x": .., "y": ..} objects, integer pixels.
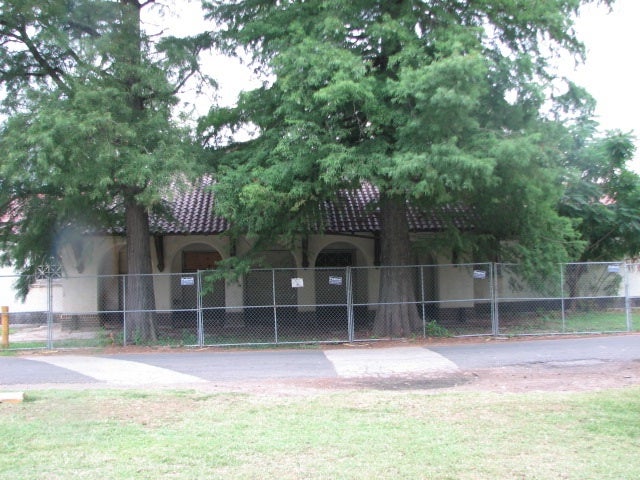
[
  {"x": 193, "y": 262},
  {"x": 261, "y": 284},
  {"x": 426, "y": 286},
  {"x": 331, "y": 284},
  {"x": 111, "y": 270}
]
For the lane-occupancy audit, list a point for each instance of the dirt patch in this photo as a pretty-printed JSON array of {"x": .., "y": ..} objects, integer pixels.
[
  {"x": 516, "y": 379},
  {"x": 40, "y": 333},
  {"x": 551, "y": 377},
  {"x": 554, "y": 376}
]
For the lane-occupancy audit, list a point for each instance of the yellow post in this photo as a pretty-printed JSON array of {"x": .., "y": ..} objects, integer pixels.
[{"x": 5, "y": 327}]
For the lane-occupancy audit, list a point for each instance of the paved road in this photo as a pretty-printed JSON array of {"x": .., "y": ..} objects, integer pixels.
[
  {"x": 199, "y": 367},
  {"x": 624, "y": 348}
]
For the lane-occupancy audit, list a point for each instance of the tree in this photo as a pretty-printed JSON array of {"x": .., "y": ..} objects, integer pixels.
[
  {"x": 90, "y": 141},
  {"x": 603, "y": 194},
  {"x": 434, "y": 102},
  {"x": 602, "y": 198}
]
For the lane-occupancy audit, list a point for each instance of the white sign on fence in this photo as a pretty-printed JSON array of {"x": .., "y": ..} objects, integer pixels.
[
  {"x": 297, "y": 283},
  {"x": 335, "y": 280},
  {"x": 185, "y": 281}
]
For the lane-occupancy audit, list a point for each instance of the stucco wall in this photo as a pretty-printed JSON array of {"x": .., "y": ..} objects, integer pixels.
[
  {"x": 453, "y": 286},
  {"x": 36, "y": 301}
]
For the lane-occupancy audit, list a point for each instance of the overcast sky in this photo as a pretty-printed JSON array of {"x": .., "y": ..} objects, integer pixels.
[{"x": 610, "y": 73}]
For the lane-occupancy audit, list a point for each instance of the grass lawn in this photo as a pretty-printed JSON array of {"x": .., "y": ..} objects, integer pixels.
[
  {"x": 335, "y": 435},
  {"x": 580, "y": 321}
]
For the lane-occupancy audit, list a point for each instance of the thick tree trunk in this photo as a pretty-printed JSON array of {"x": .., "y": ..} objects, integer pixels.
[
  {"x": 140, "y": 298},
  {"x": 397, "y": 316},
  {"x": 573, "y": 274}
]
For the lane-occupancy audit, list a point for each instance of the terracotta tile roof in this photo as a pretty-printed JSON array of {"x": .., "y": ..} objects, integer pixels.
[
  {"x": 352, "y": 211},
  {"x": 190, "y": 212},
  {"x": 355, "y": 211}
]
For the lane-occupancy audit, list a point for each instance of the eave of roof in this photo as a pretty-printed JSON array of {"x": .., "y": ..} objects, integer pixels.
[{"x": 191, "y": 212}]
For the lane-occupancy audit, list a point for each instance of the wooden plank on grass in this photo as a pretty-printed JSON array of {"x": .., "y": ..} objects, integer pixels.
[{"x": 11, "y": 397}]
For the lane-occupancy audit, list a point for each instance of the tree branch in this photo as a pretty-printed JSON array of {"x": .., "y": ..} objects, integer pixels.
[{"x": 54, "y": 73}]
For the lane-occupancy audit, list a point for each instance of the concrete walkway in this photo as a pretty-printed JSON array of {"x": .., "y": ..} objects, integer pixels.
[
  {"x": 118, "y": 372},
  {"x": 139, "y": 370},
  {"x": 383, "y": 362}
]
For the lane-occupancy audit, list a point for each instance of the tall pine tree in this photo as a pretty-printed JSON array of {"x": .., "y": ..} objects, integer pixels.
[
  {"x": 431, "y": 101},
  {"x": 89, "y": 138}
]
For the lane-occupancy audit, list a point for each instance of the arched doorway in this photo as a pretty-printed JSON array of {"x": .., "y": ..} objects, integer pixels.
[
  {"x": 111, "y": 270},
  {"x": 261, "y": 284},
  {"x": 331, "y": 284},
  {"x": 193, "y": 262},
  {"x": 426, "y": 287}
]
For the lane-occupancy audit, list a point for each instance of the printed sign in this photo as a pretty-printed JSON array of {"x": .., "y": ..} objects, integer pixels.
[
  {"x": 187, "y": 281},
  {"x": 297, "y": 283},
  {"x": 335, "y": 280},
  {"x": 481, "y": 274},
  {"x": 613, "y": 268}
]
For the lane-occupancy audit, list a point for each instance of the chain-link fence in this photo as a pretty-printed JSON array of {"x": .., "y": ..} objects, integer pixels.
[
  {"x": 577, "y": 297},
  {"x": 280, "y": 306}
]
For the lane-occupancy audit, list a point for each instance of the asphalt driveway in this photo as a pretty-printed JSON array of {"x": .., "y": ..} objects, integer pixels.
[{"x": 169, "y": 368}]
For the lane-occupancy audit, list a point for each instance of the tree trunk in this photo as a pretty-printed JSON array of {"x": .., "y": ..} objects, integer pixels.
[
  {"x": 573, "y": 274},
  {"x": 140, "y": 298},
  {"x": 397, "y": 315}
]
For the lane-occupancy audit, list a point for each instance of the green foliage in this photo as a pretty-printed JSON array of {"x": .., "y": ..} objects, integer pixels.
[
  {"x": 90, "y": 126},
  {"x": 603, "y": 195},
  {"x": 436, "y": 103},
  {"x": 432, "y": 329}
]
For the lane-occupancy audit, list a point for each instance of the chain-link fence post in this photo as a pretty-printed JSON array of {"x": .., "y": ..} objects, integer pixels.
[
  {"x": 48, "y": 272},
  {"x": 199, "y": 306},
  {"x": 422, "y": 303},
  {"x": 627, "y": 298},
  {"x": 275, "y": 304},
  {"x": 124, "y": 310},
  {"x": 562, "y": 305},
  {"x": 493, "y": 298},
  {"x": 349, "y": 287},
  {"x": 49, "y": 311}
]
